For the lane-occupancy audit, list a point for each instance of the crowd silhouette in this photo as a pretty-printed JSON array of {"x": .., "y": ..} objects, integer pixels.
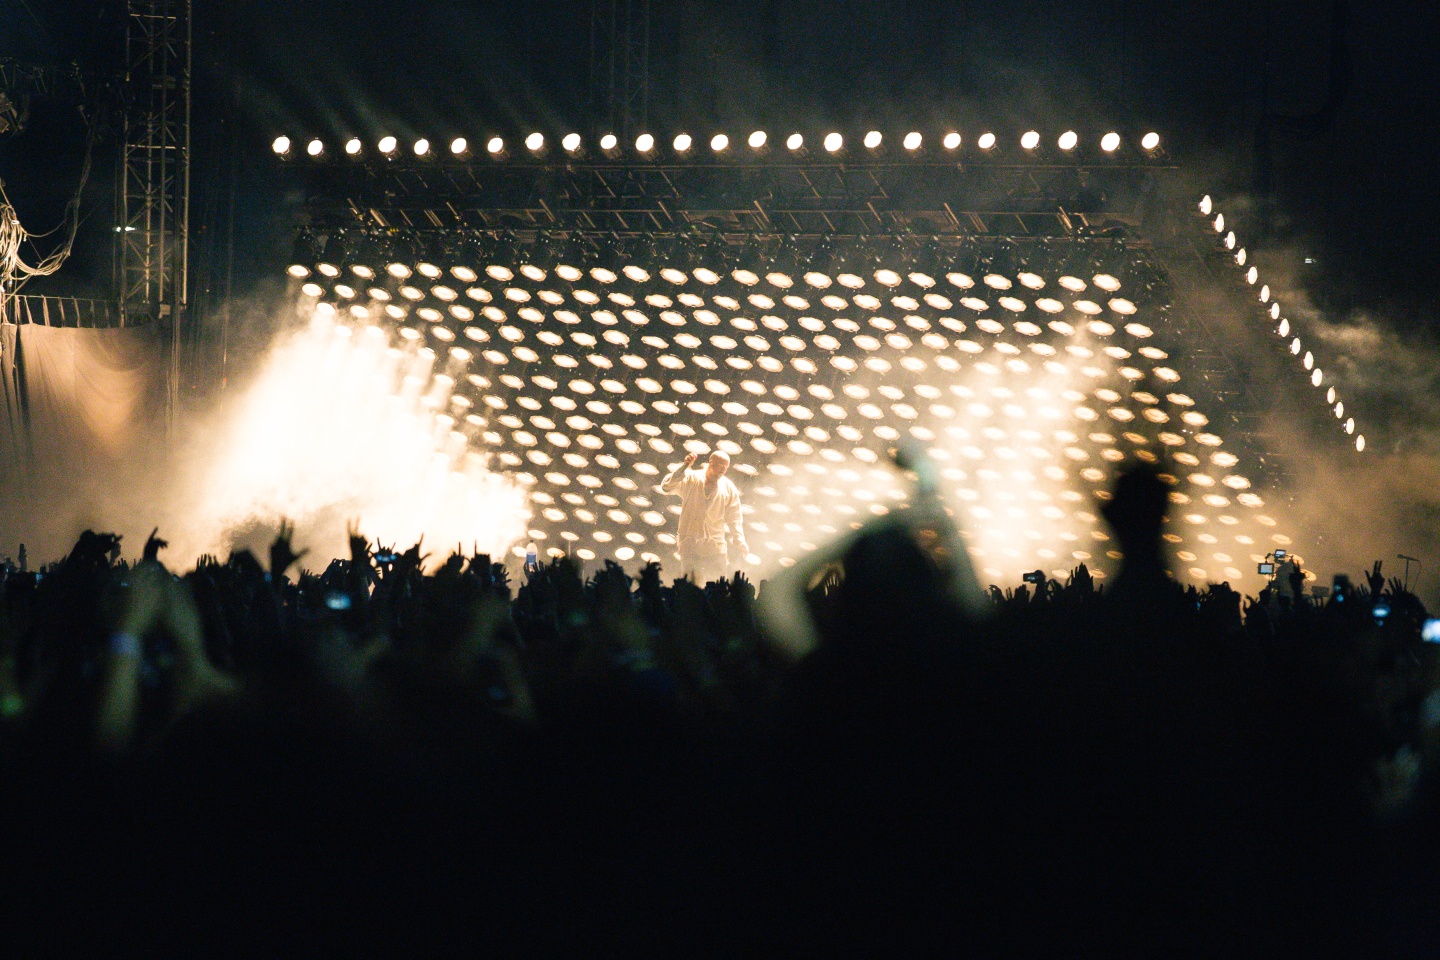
[{"x": 867, "y": 753}]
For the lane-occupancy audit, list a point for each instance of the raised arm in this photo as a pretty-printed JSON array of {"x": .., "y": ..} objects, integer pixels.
[{"x": 672, "y": 482}]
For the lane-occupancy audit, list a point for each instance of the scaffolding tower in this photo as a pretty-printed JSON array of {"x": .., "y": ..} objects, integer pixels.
[
  {"x": 153, "y": 215},
  {"x": 620, "y": 65}
]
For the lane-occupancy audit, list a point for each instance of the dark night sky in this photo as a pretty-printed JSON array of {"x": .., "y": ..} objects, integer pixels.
[{"x": 1359, "y": 194}]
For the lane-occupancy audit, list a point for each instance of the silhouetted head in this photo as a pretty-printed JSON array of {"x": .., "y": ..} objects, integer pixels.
[{"x": 1138, "y": 507}]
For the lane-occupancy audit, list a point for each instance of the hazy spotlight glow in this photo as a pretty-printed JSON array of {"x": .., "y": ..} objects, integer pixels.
[
  {"x": 353, "y": 146},
  {"x": 1068, "y": 140},
  {"x": 719, "y": 143},
  {"x": 422, "y": 148},
  {"x": 833, "y": 142},
  {"x": 535, "y": 142},
  {"x": 458, "y": 146},
  {"x": 1030, "y": 139},
  {"x": 571, "y": 143},
  {"x": 911, "y": 141},
  {"x": 644, "y": 143},
  {"x": 1150, "y": 141},
  {"x": 794, "y": 141},
  {"x": 1110, "y": 142},
  {"x": 872, "y": 139},
  {"x": 314, "y": 438},
  {"x": 388, "y": 145},
  {"x": 494, "y": 146},
  {"x": 683, "y": 143},
  {"x": 315, "y": 148},
  {"x": 757, "y": 140},
  {"x": 281, "y": 145},
  {"x": 951, "y": 141},
  {"x": 986, "y": 141},
  {"x": 608, "y": 142}
]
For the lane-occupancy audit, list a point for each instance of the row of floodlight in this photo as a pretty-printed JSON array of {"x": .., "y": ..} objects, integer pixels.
[
  {"x": 1211, "y": 213},
  {"x": 684, "y": 144}
]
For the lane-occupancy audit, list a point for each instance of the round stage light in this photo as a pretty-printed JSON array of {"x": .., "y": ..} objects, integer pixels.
[
  {"x": 315, "y": 148},
  {"x": 1110, "y": 142},
  {"x": 571, "y": 143},
  {"x": 535, "y": 142},
  {"x": 719, "y": 143},
  {"x": 458, "y": 146},
  {"x": 794, "y": 141},
  {"x": 644, "y": 143},
  {"x": 951, "y": 141},
  {"x": 608, "y": 142},
  {"x": 494, "y": 146},
  {"x": 986, "y": 141},
  {"x": 298, "y": 270},
  {"x": 683, "y": 143},
  {"x": 1150, "y": 141},
  {"x": 353, "y": 146},
  {"x": 388, "y": 145},
  {"x": 911, "y": 141},
  {"x": 422, "y": 147},
  {"x": 872, "y": 139},
  {"x": 281, "y": 146},
  {"x": 757, "y": 140},
  {"x": 1068, "y": 140},
  {"x": 833, "y": 142},
  {"x": 1030, "y": 139}
]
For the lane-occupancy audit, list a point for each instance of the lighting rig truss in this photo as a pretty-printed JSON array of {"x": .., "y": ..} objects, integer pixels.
[{"x": 801, "y": 200}]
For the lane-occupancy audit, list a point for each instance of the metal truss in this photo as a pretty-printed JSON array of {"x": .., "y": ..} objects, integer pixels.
[
  {"x": 759, "y": 198},
  {"x": 620, "y": 64},
  {"x": 20, "y": 83},
  {"x": 153, "y": 215}
]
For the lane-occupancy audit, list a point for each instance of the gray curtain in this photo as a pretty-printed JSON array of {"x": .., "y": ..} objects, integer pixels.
[{"x": 80, "y": 407}]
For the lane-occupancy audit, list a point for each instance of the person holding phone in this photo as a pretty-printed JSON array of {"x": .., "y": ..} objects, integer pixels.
[{"x": 710, "y": 520}]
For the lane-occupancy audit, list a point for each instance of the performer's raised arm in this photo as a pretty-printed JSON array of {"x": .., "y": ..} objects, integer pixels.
[{"x": 672, "y": 482}]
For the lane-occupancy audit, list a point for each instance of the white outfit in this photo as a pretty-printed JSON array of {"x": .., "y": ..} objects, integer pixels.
[{"x": 709, "y": 517}]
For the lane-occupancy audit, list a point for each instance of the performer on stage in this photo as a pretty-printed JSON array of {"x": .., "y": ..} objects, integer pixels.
[{"x": 709, "y": 517}]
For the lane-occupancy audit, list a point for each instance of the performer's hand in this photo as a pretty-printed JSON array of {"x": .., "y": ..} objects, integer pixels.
[{"x": 689, "y": 459}]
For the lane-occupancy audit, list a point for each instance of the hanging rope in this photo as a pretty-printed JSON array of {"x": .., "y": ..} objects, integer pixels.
[{"x": 14, "y": 271}]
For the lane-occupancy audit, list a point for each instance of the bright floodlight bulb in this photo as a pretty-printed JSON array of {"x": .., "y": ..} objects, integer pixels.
[
  {"x": 872, "y": 139},
  {"x": 644, "y": 143},
  {"x": 388, "y": 144},
  {"x": 719, "y": 143},
  {"x": 352, "y": 146},
  {"x": 682, "y": 143},
  {"x": 951, "y": 141},
  {"x": 495, "y": 145},
  {"x": 757, "y": 140},
  {"x": 422, "y": 147},
  {"x": 315, "y": 148},
  {"x": 911, "y": 141},
  {"x": 986, "y": 141},
  {"x": 1068, "y": 139},
  {"x": 1110, "y": 142},
  {"x": 833, "y": 142},
  {"x": 458, "y": 146},
  {"x": 281, "y": 145},
  {"x": 608, "y": 142},
  {"x": 535, "y": 142},
  {"x": 1150, "y": 141},
  {"x": 795, "y": 141},
  {"x": 571, "y": 143},
  {"x": 1030, "y": 139}
]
